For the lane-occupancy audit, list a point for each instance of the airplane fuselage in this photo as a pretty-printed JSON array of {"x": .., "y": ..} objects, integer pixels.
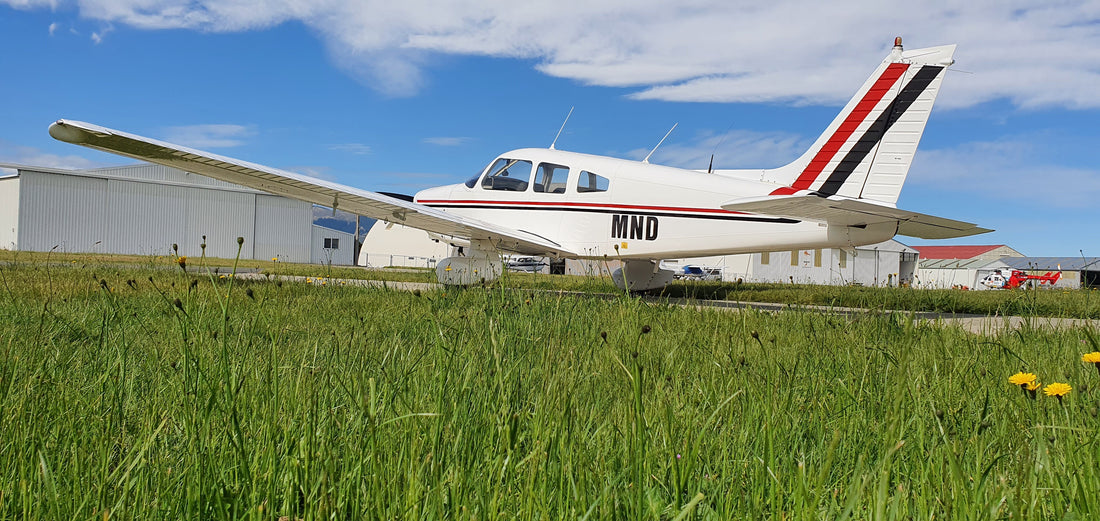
[{"x": 633, "y": 210}]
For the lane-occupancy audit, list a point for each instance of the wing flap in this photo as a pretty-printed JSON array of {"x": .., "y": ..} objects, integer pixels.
[
  {"x": 297, "y": 186},
  {"x": 840, "y": 211}
]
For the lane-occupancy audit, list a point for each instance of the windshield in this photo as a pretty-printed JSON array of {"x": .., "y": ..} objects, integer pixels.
[
  {"x": 472, "y": 181},
  {"x": 512, "y": 175}
]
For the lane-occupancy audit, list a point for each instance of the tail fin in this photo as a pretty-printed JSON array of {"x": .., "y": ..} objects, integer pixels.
[{"x": 867, "y": 150}]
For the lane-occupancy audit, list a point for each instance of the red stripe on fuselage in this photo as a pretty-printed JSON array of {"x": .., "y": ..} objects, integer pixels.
[
  {"x": 506, "y": 204},
  {"x": 846, "y": 128}
]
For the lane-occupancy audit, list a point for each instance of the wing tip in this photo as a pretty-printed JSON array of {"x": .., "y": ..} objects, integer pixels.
[{"x": 62, "y": 131}]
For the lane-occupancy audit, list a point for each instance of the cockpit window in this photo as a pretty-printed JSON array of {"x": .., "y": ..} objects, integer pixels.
[
  {"x": 551, "y": 178},
  {"x": 473, "y": 179},
  {"x": 589, "y": 182},
  {"x": 512, "y": 175}
]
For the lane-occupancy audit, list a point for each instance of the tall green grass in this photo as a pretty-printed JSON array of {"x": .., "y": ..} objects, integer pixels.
[{"x": 134, "y": 394}]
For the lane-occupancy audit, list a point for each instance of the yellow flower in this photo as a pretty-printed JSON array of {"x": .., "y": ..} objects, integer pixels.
[
  {"x": 1057, "y": 389},
  {"x": 1092, "y": 358},
  {"x": 274, "y": 259},
  {"x": 182, "y": 261},
  {"x": 1022, "y": 379},
  {"x": 1033, "y": 386}
]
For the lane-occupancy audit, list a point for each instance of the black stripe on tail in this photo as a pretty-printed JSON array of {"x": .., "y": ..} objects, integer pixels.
[{"x": 874, "y": 133}]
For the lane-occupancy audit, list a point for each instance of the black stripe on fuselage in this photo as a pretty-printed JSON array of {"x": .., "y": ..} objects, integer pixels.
[
  {"x": 878, "y": 129},
  {"x": 746, "y": 218}
]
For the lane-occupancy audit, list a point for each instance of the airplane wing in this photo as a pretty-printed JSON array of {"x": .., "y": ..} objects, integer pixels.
[
  {"x": 297, "y": 186},
  {"x": 843, "y": 211}
]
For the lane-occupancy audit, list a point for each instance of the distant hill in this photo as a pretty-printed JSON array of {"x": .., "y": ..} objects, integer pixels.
[{"x": 341, "y": 221}]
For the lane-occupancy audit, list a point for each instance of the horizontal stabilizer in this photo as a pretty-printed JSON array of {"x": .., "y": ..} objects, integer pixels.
[{"x": 840, "y": 211}]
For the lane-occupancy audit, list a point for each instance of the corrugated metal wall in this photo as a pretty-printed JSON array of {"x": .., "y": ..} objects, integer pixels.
[
  {"x": 66, "y": 212},
  {"x": 283, "y": 229},
  {"x": 9, "y": 213},
  {"x": 221, "y": 217},
  {"x": 145, "y": 219},
  {"x": 806, "y": 271},
  {"x": 154, "y": 208},
  {"x": 344, "y": 255},
  {"x": 869, "y": 267}
]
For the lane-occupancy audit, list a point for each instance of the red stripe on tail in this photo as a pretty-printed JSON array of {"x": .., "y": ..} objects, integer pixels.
[{"x": 846, "y": 128}]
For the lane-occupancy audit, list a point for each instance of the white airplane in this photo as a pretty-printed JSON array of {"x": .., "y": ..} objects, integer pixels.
[{"x": 551, "y": 203}]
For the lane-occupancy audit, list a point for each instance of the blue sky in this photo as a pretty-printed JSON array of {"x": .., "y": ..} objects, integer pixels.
[{"x": 403, "y": 96}]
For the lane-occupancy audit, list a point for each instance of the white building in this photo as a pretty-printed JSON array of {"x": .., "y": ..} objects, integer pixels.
[
  {"x": 144, "y": 209},
  {"x": 959, "y": 266},
  {"x": 888, "y": 263},
  {"x": 390, "y": 244}
]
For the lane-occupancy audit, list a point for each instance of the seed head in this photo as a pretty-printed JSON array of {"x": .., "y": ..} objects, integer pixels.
[
  {"x": 176, "y": 248},
  {"x": 646, "y": 329},
  {"x": 240, "y": 241}
]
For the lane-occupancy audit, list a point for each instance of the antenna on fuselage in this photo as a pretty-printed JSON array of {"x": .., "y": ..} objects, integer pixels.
[
  {"x": 562, "y": 126},
  {"x": 646, "y": 160}
]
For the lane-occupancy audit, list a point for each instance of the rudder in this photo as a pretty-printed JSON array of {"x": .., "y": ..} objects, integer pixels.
[{"x": 867, "y": 150}]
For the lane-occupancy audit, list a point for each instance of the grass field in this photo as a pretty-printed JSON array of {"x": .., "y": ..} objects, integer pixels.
[{"x": 150, "y": 393}]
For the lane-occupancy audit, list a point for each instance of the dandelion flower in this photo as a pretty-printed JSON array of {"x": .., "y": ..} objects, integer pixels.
[
  {"x": 274, "y": 259},
  {"x": 1057, "y": 389},
  {"x": 1022, "y": 379},
  {"x": 1092, "y": 358},
  {"x": 182, "y": 261}
]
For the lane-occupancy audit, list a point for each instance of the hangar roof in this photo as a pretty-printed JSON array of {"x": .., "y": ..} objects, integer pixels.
[
  {"x": 955, "y": 252},
  {"x": 1053, "y": 263}
]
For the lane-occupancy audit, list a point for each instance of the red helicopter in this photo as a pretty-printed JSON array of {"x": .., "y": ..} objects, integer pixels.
[{"x": 1017, "y": 278}]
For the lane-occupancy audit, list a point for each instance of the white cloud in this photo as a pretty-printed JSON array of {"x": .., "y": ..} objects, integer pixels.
[
  {"x": 53, "y": 28},
  {"x": 734, "y": 149},
  {"x": 97, "y": 36},
  {"x": 30, "y": 156},
  {"x": 447, "y": 141},
  {"x": 208, "y": 136},
  {"x": 1034, "y": 54},
  {"x": 319, "y": 172},
  {"x": 1008, "y": 170},
  {"x": 358, "y": 149}
]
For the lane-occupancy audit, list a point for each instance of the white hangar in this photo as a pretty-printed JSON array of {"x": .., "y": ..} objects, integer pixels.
[
  {"x": 144, "y": 209},
  {"x": 888, "y": 263}
]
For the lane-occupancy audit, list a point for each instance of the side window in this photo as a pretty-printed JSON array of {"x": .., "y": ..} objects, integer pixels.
[
  {"x": 512, "y": 175},
  {"x": 551, "y": 178},
  {"x": 589, "y": 182}
]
